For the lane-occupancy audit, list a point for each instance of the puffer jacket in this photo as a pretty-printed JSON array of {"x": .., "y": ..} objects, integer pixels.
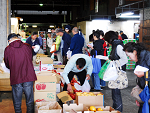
[{"x": 145, "y": 62}]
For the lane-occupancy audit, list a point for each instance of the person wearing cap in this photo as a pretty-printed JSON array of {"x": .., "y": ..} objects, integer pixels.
[
  {"x": 68, "y": 30},
  {"x": 49, "y": 43},
  {"x": 67, "y": 40},
  {"x": 18, "y": 58},
  {"x": 33, "y": 40},
  {"x": 77, "y": 42},
  {"x": 123, "y": 35}
]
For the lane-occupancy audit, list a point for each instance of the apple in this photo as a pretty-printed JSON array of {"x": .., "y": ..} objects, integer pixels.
[
  {"x": 38, "y": 86},
  {"x": 43, "y": 86}
]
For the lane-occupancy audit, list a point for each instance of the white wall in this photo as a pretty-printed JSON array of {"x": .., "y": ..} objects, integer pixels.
[
  {"x": 14, "y": 25},
  {"x": 128, "y": 27}
]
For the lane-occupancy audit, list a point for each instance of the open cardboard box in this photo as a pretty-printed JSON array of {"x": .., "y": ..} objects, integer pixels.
[
  {"x": 49, "y": 107},
  {"x": 106, "y": 109},
  {"x": 64, "y": 97},
  {"x": 91, "y": 100},
  {"x": 77, "y": 108}
]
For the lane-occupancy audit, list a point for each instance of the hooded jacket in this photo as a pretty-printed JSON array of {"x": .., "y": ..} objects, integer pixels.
[{"x": 18, "y": 58}]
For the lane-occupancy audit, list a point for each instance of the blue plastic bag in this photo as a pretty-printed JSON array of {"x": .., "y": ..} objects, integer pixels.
[{"x": 96, "y": 64}]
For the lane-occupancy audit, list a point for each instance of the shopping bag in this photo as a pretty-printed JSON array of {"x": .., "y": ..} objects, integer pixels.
[
  {"x": 53, "y": 48},
  {"x": 121, "y": 82},
  {"x": 103, "y": 69},
  {"x": 111, "y": 72},
  {"x": 69, "y": 53},
  {"x": 96, "y": 64},
  {"x": 84, "y": 88}
]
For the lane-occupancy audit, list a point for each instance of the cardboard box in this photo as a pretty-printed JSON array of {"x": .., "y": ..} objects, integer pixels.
[
  {"x": 46, "y": 60},
  {"x": 91, "y": 100},
  {"x": 45, "y": 95},
  {"x": 53, "y": 75},
  {"x": 58, "y": 88},
  {"x": 64, "y": 97},
  {"x": 77, "y": 108},
  {"x": 45, "y": 86},
  {"x": 106, "y": 109},
  {"x": 54, "y": 107},
  {"x": 46, "y": 67}
]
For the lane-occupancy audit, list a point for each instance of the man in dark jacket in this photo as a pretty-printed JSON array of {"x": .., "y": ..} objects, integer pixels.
[
  {"x": 67, "y": 40},
  {"x": 33, "y": 40},
  {"x": 77, "y": 42},
  {"x": 18, "y": 58},
  {"x": 123, "y": 36}
]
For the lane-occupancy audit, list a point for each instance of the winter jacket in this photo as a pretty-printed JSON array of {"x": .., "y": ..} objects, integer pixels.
[
  {"x": 18, "y": 58},
  {"x": 77, "y": 43},
  {"x": 67, "y": 40},
  {"x": 36, "y": 42},
  {"x": 145, "y": 62}
]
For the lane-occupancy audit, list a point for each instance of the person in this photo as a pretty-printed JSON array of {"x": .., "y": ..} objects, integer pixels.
[
  {"x": 41, "y": 39},
  {"x": 117, "y": 53},
  {"x": 80, "y": 65},
  {"x": 18, "y": 58},
  {"x": 123, "y": 35},
  {"x": 98, "y": 47},
  {"x": 29, "y": 33},
  {"x": 58, "y": 46},
  {"x": 119, "y": 37},
  {"x": 33, "y": 40},
  {"x": 49, "y": 43},
  {"x": 139, "y": 53},
  {"x": 102, "y": 82},
  {"x": 68, "y": 30},
  {"x": 66, "y": 44},
  {"x": 53, "y": 34},
  {"x": 77, "y": 42},
  {"x": 91, "y": 37},
  {"x": 85, "y": 45}
]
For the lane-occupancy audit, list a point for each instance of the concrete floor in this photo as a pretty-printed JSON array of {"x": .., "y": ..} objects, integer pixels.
[{"x": 129, "y": 105}]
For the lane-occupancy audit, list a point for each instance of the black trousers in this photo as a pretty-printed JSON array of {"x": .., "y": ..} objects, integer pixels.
[{"x": 81, "y": 75}]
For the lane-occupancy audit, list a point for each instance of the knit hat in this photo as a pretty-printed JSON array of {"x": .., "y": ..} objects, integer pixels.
[{"x": 59, "y": 30}]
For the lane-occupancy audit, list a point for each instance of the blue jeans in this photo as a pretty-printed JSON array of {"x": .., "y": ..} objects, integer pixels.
[
  {"x": 102, "y": 82},
  {"x": 96, "y": 81},
  {"x": 17, "y": 91},
  {"x": 117, "y": 100}
]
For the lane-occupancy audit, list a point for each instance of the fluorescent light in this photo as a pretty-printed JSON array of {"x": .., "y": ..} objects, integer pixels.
[
  {"x": 25, "y": 26},
  {"x": 41, "y": 4},
  {"x": 127, "y": 13},
  {"x": 132, "y": 16},
  {"x": 51, "y": 26},
  {"x": 100, "y": 20},
  {"x": 34, "y": 25}
]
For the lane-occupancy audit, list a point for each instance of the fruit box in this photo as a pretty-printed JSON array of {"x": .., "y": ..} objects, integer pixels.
[
  {"x": 64, "y": 97},
  {"x": 77, "y": 108},
  {"x": 51, "y": 96},
  {"x": 47, "y": 107},
  {"x": 46, "y": 67},
  {"x": 106, "y": 109},
  {"x": 91, "y": 100},
  {"x": 44, "y": 86}
]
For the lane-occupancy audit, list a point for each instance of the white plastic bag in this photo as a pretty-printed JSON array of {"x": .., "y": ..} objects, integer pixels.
[
  {"x": 69, "y": 54},
  {"x": 111, "y": 72},
  {"x": 84, "y": 88}
]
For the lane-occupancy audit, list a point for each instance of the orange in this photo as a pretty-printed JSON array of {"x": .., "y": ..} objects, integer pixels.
[
  {"x": 99, "y": 109},
  {"x": 92, "y": 108}
]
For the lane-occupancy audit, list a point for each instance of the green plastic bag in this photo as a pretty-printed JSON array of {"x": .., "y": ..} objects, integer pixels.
[{"x": 103, "y": 69}]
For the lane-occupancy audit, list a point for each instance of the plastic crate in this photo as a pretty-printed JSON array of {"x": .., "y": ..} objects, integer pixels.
[
  {"x": 131, "y": 62},
  {"x": 130, "y": 66}
]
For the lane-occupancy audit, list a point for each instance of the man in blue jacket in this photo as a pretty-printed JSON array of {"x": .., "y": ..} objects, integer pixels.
[{"x": 77, "y": 42}]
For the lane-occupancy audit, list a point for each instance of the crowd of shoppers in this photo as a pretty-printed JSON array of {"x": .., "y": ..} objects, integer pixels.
[{"x": 79, "y": 64}]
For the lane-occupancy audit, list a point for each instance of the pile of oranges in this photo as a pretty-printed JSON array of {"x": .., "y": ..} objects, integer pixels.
[{"x": 92, "y": 108}]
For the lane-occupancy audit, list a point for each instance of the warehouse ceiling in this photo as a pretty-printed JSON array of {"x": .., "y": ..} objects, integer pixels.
[{"x": 44, "y": 11}]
